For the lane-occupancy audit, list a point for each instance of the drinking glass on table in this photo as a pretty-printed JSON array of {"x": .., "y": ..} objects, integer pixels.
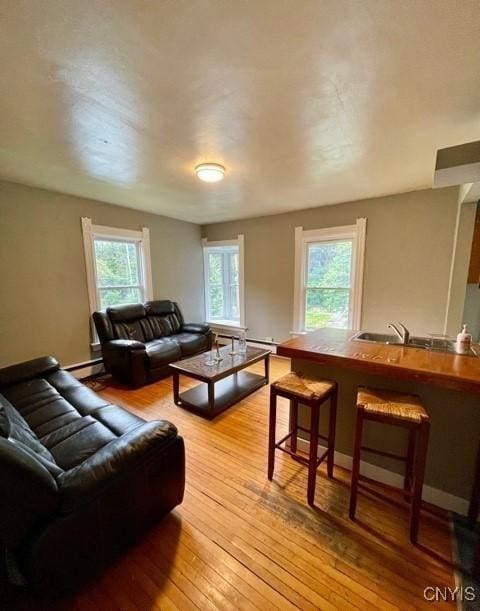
[{"x": 242, "y": 342}]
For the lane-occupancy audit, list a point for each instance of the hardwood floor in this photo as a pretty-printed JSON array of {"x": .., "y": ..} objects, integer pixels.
[{"x": 239, "y": 541}]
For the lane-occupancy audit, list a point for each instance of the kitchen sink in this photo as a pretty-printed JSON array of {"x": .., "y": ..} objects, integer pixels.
[{"x": 414, "y": 342}]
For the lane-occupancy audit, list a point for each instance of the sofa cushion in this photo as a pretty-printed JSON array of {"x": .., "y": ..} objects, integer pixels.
[
  {"x": 190, "y": 343},
  {"x": 20, "y": 431},
  {"x": 67, "y": 421},
  {"x": 77, "y": 441},
  {"x": 77, "y": 394},
  {"x": 160, "y": 326},
  {"x": 127, "y": 321},
  {"x": 38, "y": 402},
  {"x": 117, "y": 419},
  {"x": 129, "y": 330},
  {"x": 161, "y": 352}
]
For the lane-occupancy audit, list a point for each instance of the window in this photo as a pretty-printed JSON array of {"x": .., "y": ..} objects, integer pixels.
[
  {"x": 223, "y": 262},
  {"x": 329, "y": 277},
  {"x": 118, "y": 272},
  {"x": 118, "y": 265}
]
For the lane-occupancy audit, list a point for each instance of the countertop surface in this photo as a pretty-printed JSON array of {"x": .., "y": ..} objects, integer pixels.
[{"x": 336, "y": 347}]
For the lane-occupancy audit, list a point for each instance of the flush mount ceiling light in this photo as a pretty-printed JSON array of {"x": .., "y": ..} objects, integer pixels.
[{"x": 210, "y": 172}]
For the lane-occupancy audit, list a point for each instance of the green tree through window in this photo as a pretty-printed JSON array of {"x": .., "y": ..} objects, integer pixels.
[
  {"x": 117, "y": 265},
  {"x": 327, "y": 284}
]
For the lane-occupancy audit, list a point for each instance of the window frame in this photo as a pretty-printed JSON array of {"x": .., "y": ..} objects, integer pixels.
[
  {"x": 357, "y": 234},
  {"x": 140, "y": 238},
  {"x": 206, "y": 246}
]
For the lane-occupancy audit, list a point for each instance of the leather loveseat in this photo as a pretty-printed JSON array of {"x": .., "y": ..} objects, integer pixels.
[
  {"x": 79, "y": 477},
  {"x": 140, "y": 340}
]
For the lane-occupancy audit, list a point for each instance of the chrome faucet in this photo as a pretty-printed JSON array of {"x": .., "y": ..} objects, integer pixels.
[{"x": 403, "y": 335}]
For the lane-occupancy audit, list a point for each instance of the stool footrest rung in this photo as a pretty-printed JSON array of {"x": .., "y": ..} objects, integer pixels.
[
  {"x": 287, "y": 436},
  {"x": 323, "y": 456},
  {"x": 301, "y": 428},
  {"x": 302, "y": 459}
]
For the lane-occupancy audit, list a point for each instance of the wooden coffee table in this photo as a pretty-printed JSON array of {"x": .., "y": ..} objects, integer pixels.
[{"x": 224, "y": 383}]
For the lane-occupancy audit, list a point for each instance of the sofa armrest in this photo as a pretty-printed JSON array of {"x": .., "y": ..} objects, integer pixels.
[
  {"x": 125, "y": 359},
  {"x": 123, "y": 345},
  {"x": 192, "y": 327},
  {"x": 29, "y": 492},
  {"x": 91, "y": 478}
]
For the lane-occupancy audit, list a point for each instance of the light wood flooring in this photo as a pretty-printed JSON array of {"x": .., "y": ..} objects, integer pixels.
[{"x": 239, "y": 541}]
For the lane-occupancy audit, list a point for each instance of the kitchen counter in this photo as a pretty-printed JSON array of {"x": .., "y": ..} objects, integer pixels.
[
  {"x": 448, "y": 385},
  {"x": 337, "y": 348}
]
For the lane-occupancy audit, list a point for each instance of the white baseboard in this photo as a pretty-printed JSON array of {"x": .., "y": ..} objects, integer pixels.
[
  {"x": 87, "y": 371},
  {"x": 432, "y": 495}
]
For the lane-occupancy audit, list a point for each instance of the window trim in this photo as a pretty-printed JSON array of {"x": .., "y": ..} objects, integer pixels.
[
  {"x": 356, "y": 233},
  {"x": 90, "y": 232},
  {"x": 240, "y": 242}
]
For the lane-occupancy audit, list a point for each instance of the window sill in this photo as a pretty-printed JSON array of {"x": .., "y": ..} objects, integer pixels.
[{"x": 226, "y": 325}]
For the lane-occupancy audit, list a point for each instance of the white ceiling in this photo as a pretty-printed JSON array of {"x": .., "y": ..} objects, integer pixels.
[{"x": 305, "y": 102}]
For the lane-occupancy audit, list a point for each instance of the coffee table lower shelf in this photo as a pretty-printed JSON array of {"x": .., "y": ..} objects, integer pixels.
[{"x": 226, "y": 392}]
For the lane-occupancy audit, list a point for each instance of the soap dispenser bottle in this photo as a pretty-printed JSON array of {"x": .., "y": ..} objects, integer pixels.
[{"x": 464, "y": 342}]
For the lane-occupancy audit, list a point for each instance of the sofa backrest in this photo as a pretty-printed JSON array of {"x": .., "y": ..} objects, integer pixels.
[
  {"x": 35, "y": 368},
  {"x": 141, "y": 322},
  {"x": 128, "y": 321},
  {"x": 164, "y": 317}
]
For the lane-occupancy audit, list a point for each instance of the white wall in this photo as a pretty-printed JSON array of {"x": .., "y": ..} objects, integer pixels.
[
  {"x": 45, "y": 306},
  {"x": 409, "y": 247}
]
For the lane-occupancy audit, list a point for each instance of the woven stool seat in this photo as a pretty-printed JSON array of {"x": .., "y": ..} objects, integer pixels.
[
  {"x": 392, "y": 404},
  {"x": 303, "y": 387}
]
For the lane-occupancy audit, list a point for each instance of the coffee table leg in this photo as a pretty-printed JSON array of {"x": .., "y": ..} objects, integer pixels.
[
  {"x": 267, "y": 368},
  {"x": 211, "y": 398},
  {"x": 176, "y": 388}
]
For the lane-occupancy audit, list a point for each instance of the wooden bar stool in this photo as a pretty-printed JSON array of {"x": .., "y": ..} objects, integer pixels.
[
  {"x": 397, "y": 409},
  {"x": 313, "y": 393}
]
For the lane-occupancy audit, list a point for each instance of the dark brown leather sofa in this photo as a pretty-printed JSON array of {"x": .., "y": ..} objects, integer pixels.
[
  {"x": 140, "y": 340},
  {"x": 79, "y": 477}
]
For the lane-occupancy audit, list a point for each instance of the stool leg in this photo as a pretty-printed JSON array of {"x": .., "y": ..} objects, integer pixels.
[
  {"x": 312, "y": 462},
  {"x": 271, "y": 432},
  {"x": 421, "y": 447},
  {"x": 356, "y": 463},
  {"x": 407, "y": 482},
  {"x": 331, "y": 433},
  {"x": 294, "y": 424}
]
